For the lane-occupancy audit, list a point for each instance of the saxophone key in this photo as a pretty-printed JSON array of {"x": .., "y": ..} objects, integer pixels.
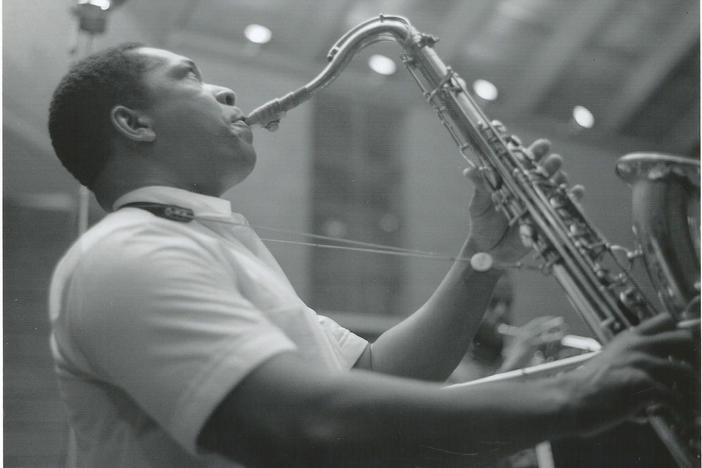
[
  {"x": 499, "y": 126},
  {"x": 557, "y": 201},
  {"x": 576, "y": 229},
  {"x": 541, "y": 171},
  {"x": 491, "y": 177},
  {"x": 519, "y": 216},
  {"x": 514, "y": 141},
  {"x": 613, "y": 325},
  {"x": 603, "y": 276},
  {"x": 501, "y": 151},
  {"x": 631, "y": 301},
  {"x": 576, "y": 193},
  {"x": 498, "y": 199},
  {"x": 492, "y": 139},
  {"x": 519, "y": 153},
  {"x": 526, "y": 234}
]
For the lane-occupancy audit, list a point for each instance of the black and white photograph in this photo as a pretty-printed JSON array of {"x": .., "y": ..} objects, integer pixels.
[{"x": 351, "y": 233}]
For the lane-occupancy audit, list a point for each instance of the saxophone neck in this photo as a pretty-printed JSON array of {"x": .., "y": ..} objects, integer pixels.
[{"x": 381, "y": 28}]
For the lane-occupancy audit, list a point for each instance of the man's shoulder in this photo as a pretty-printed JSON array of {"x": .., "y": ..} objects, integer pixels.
[
  {"x": 127, "y": 236},
  {"x": 126, "y": 225}
]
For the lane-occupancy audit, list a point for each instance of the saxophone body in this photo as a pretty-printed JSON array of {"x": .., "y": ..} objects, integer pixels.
[{"x": 565, "y": 244}]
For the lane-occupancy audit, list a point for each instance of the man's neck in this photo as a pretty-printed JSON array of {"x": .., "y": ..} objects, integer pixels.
[
  {"x": 124, "y": 174},
  {"x": 113, "y": 182}
]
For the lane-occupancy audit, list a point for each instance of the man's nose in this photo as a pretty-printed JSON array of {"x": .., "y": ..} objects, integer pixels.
[{"x": 224, "y": 95}]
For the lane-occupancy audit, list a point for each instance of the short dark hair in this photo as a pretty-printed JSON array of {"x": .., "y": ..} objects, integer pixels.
[{"x": 79, "y": 114}]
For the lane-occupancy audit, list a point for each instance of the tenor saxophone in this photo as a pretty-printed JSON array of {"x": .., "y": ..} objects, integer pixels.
[{"x": 565, "y": 243}]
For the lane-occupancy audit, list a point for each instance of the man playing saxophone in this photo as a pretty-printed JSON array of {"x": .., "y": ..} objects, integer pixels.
[{"x": 178, "y": 340}]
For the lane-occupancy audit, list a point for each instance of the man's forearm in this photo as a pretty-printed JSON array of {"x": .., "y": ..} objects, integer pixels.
[
  {"x": 361, "y": 417},
  {"x": 430, "y": 343},
  {"x": 286, "y": 412},
  {"x": 479, "y": 418}
]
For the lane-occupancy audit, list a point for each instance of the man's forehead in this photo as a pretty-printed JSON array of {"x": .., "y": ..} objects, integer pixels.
[{"x": 156, "y": 57}]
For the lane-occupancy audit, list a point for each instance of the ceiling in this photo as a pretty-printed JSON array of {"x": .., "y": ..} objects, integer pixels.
[{"x": 633, "y": 63}]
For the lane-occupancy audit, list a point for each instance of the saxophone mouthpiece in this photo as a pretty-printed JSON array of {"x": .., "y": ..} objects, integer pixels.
[{"x": 267, "y": 116}]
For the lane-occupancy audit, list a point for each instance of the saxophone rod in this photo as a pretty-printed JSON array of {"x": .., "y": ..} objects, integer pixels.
[
  {"x": 548, "y": 368},
  {"x": 554, "y": 367},
  {"x": 583, "y": 343}
]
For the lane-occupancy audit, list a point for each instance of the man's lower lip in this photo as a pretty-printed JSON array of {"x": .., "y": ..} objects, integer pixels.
[{"x": 242, "y": 127}]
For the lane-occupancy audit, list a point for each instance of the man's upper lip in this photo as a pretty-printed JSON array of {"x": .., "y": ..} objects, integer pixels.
[{"x": 238, "y": 119}]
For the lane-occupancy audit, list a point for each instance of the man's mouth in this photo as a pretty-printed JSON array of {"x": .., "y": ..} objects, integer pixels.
[{"x": 243, "y": 129}]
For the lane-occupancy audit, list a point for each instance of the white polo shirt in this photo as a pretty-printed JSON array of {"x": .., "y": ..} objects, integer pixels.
[{"x": 154, "y": 321}]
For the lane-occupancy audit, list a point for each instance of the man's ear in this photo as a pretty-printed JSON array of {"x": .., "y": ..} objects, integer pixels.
[{"x": 132, "y": 124}]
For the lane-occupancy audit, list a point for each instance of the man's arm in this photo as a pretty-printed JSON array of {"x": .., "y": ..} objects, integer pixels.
[
  {"x": 431, "y": 342},
  {"x": 285, "y": 413}
]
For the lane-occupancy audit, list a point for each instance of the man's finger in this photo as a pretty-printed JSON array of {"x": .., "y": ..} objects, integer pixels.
[
  {"x": 552, "y": 163},
  {"x": 540, "y": 148},
  {"x": 472, "y": 174},
  {"x": 656, "y": 324},
  {"x": 666, "y": 370},
  {"x": 560, "y": 177},
  {"x": 499, "y": 126},
  {"x": 656, "y": 393},
  {"x": 545, "y": 322},
  {"x": 578, "y": 191},
  {"x": 676, "y": 343},
  {"x": 475, "y": 175}
]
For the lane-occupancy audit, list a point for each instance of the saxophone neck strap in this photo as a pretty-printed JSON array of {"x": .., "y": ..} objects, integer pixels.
[{"x": 170, "y": 212}]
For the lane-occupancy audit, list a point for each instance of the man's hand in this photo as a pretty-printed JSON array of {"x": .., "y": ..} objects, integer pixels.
[
  {"x": 531, "y": 339},
  {"x": 643, "y": 366},
  {"x": 490, "y": 232}
]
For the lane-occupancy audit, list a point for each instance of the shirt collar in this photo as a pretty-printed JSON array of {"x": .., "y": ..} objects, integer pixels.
[{"x": 202, "y": 205}]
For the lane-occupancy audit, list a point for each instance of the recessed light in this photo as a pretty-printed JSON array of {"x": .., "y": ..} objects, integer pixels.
[
  {"x": 382, "y": 65},
  {"x": 258, "y": 34},
  {"x": 583, "y": 117},
  {"x": 103, "y": 4},
  {"x": 485, "y": 89}
]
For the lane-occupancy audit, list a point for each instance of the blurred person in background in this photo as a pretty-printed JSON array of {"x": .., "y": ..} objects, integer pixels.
[{"x": 493, "y": 351}]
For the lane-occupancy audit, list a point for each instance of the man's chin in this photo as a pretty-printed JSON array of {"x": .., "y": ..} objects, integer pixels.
[{"x": 244, "y": 169}]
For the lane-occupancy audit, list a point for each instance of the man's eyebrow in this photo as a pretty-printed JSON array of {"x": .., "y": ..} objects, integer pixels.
[{"x": 191, "y": 65}]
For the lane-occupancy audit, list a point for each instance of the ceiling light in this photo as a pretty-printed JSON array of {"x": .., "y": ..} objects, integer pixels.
[
  {"x": 583, "y": 117},
  {"x": 485, "y": 90},
  {"x": 382, "y": 64},
  {"x": 103, "y": 4},
  {"x": 258, "y": 34}
]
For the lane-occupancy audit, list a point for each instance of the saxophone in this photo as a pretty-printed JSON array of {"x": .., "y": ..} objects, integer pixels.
[{"x": 592, "y": 272}]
